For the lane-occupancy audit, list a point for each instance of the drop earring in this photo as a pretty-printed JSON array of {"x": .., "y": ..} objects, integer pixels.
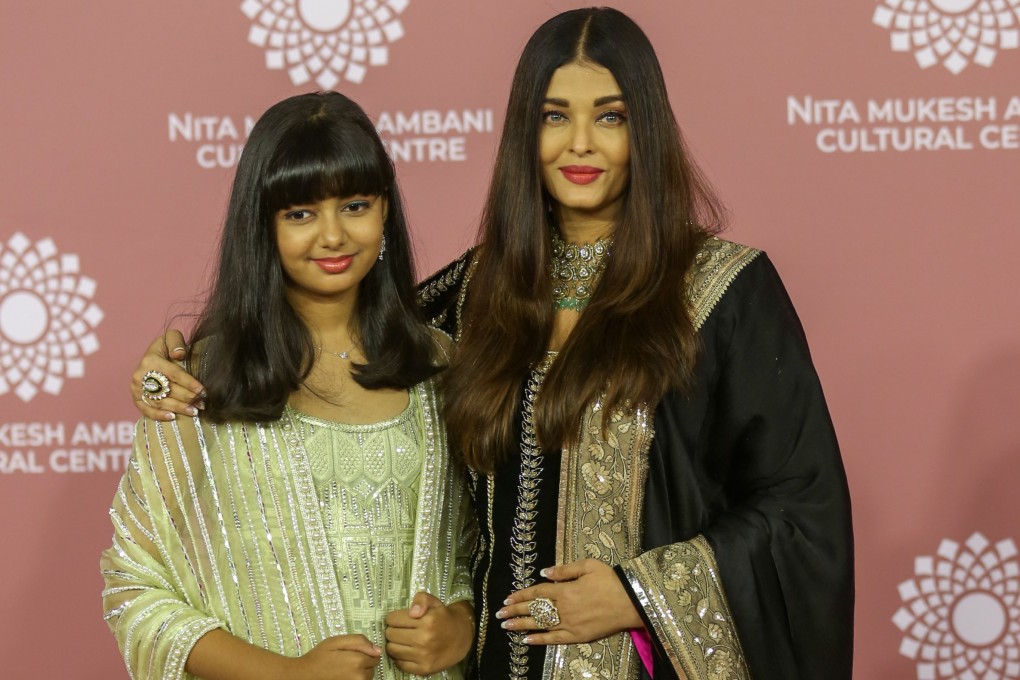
[{"x": 382, "y": 247}]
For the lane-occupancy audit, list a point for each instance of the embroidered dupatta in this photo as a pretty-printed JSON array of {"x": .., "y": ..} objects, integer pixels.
[{"x": 219, "y": 526}]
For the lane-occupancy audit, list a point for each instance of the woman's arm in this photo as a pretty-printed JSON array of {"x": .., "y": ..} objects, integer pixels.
[
  {"x": 771, "y": 561},
  {"x": 218, "y": 655}
]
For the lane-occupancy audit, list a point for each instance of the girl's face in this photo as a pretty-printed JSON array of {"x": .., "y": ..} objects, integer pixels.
[
  {"x": 327, "y": 247},
  {"x": 584, "y": 143}
]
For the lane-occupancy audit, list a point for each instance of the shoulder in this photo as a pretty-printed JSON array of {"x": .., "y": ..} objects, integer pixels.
[
  {"x": 445, "y": 280},
  {"x": 737, "y": 291},
  {"x": 717, "y": 267},
  {"x": 443, "y": 344},
  {"x": 441, "y": 295}
]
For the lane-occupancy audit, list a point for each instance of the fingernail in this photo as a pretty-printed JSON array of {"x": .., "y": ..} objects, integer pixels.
[
  {"x": 203, "y": 393},
  {"x": 544, "y": 572},
  {"x": 505, "y": 625},
  {"x": 527, "y": 640},
  {"x": 501, "y": 613},
  {"x": 192, "y": 411},
  {"x": 415, "y": 610},
  {"x": 506, "y": 601},
  {"x": 178, "y": 349},
  {"x": 170, "y": 416},
  {"x": 200, "y": 405}
]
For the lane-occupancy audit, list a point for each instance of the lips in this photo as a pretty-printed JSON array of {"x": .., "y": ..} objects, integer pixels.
[
  {"x": 581, "y": 174},
  {"x": 334, "y": 265}
]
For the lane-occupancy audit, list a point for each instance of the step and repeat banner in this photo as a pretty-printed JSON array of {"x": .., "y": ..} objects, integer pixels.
[{"x": 871, "y": 147}]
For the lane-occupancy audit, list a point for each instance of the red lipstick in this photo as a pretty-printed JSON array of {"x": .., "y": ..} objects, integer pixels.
[
  {"x": 334, "y": 265},
  {"x": 581, "y": 174}
]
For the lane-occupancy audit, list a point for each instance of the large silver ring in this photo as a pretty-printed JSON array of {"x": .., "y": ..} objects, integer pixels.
[
  {"x": 544, "y": 612},
  {"x": 155, "y": 385}
]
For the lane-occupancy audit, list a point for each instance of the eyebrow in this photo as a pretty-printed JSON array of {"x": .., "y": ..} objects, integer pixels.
[{"x": 601, "y": 101}]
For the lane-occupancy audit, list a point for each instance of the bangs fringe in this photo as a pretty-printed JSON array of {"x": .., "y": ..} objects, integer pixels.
[{"x": 313, "y": 165}]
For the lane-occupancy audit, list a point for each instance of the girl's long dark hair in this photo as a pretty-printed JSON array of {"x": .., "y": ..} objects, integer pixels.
[
  {"x": 250, "y": 348},
  {"x": 635, "y": 341}
]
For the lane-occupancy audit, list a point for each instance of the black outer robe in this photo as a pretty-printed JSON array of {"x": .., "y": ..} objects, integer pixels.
[{"x": 748, "y": 460}]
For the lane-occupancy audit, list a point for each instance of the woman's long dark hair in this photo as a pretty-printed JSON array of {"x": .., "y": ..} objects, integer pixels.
[
  {"x": 252, "y": 348},
  {"x": 635, "y": 340}
]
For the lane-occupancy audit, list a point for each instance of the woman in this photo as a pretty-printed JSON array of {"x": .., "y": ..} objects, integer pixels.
[
  {"x": 657, "y": 480},
  {"x": 311, "y": 514}
]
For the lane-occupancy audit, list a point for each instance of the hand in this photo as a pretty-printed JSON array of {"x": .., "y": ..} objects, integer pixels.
[
  {"x": 184, "y": 389},
  {"x": 343, "y": 657},
  {"x": 429, "y": 636},
  {"x": 589, "y": 597}
]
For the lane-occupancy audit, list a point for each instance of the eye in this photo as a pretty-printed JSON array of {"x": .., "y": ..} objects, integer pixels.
[
  {"x": 613, "y": 117},
  {"x": 357, "y": 206},
  {"x": 553, "y": 117},
  {"x": 297, "y": 215}
]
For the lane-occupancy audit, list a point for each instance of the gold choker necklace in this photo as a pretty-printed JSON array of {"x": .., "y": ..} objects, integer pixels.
[{"x": 575, "y": 270}]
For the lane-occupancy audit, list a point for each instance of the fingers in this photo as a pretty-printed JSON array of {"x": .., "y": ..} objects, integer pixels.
[
  {"x": 567, "y": 572},
  {"x": 423, "y": 602},
  {"x": 552, "y": 637},
  {"x": 515, "y": 610},
  {"x": 179, "y": 402},
  {"x": 401, "y": 618},
  {"x": 401, "y": 636},
  {"x": 355, "y": 643},
  {"x": 520, "y": 623},
  {"x": 529, "y": 594},
  {"x": 170, "y": 345},
  {"x": 185, "y": 384},
  {"x": 410, "y": 659}
]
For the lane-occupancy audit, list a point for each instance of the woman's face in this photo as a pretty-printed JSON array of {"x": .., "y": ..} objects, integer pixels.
[
  {"x": 584, "y": 144},
  {"x": 327, "y": 247}
]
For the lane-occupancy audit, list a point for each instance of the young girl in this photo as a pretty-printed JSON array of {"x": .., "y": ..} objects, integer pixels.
[{"x": 311, "y": 514}]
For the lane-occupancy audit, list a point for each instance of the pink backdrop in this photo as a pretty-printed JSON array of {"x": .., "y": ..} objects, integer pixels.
[{"x": 901, "y": 261}]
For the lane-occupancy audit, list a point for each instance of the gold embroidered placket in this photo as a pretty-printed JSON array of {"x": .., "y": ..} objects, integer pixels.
[{"x": 522, "y": 540}]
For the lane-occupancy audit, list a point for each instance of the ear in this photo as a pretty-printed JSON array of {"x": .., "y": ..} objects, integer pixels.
[{"x": 385, "y": 207}]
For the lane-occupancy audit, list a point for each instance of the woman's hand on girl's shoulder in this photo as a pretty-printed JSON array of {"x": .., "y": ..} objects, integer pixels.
[
  {"x": 430, "y": 636},
  {"x": 185, "y": 390}
]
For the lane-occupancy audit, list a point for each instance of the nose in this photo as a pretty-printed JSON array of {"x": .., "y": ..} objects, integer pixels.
[
  {"x": 331, "y": 230},
  {"x": 580, "y": 142}
]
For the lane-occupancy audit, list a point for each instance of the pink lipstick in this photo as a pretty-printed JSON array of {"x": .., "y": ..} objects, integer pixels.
[
  {"x": 581, "y": 174},
  {"x": 334, "y": 265}
]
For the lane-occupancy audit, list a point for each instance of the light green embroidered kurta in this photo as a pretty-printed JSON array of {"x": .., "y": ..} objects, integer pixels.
[
  {"x": 367, "y": 480},
  {"x": 221, "y": 526}
]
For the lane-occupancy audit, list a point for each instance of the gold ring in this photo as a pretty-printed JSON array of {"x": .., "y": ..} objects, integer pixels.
[
  {"x": 544, "y": 612},
  {"x": 155, "y": 385}
]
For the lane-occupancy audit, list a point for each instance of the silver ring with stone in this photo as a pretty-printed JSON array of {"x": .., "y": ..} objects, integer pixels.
[
  {"x": 544, "y": 612},
  {"x": 155, "y": 385}
]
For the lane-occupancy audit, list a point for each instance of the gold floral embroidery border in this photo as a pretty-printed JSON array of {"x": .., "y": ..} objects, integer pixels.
[
  {"x": 600, "y": 517},
  {"x": 679, "y": 589},
  {"x": 715, "y": 267}
]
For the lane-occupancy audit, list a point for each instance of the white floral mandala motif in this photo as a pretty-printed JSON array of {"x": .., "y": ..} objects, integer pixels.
[
  {"x": 46, "y": 317},
  {"x": 327, "y": 40},
  {"x": 954, "y": 33},
  {"x": 961, "y": 612}
]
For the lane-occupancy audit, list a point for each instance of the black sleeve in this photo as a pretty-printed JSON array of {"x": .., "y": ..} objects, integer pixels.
[{"x": 783, "y": 538}]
